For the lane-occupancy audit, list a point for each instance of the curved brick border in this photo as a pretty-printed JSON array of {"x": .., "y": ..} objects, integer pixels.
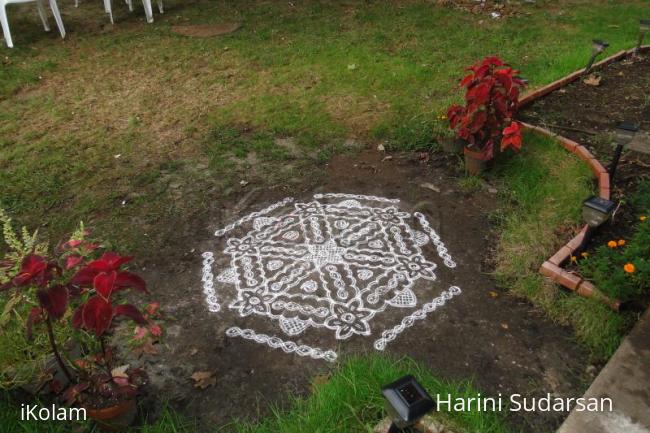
[{"x": 552, "y": 268}]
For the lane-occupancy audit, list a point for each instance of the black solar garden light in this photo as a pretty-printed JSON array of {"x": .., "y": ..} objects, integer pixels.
[
  {"x": 407, "y": 402},
  {"x": 597, "y": 47},
  {"x": 644, "y": 26},
  {"x": 596, "y": 210},
  {"x": 625, "y": 132}
]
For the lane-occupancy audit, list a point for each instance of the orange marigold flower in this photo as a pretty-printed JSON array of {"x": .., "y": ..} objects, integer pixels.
[
  {"x": 574, "y": 259},
  {"x": 629, "y": 268},
  {"x": 621, "y": 242},
  {"x": 643, "y": 218},
  {"x": 584, "y": 254},
  {"x": 612, "y": 244}
]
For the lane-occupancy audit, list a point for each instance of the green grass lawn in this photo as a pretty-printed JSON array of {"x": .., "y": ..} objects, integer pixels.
[{"x": 317, "y": 71}]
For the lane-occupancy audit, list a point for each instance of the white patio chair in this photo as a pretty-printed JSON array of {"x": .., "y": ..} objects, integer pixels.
[
  {"x": 41, "y": 11},
  {"x": 108, "y": 7}
]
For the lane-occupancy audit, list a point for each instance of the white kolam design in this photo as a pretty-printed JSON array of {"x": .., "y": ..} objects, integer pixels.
[
  {"x": 208, "y": 283},
  {"x": 408, "y": 321},
  {"x": 278, "y": 343},
  {"x": 332, "y": 263}
]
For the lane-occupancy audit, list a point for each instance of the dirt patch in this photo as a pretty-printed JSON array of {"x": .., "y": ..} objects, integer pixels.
[
  {"x": 206, "y": 30},
  {"x": 484, "y": 333},
  {"x": 590, "y": 114}
]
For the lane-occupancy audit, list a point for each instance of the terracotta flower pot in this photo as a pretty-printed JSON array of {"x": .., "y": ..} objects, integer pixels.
[
  {"x": 115, "y": 418},
  {"x": 475, "y": 161}
]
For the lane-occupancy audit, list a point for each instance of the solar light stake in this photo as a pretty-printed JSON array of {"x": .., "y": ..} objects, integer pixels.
[
  {"x": 406, "y": 402},
  {"x": 625, "y": 132},
  {"x": 597, "y": 47},
  {"x": 644, "y": 26},
  {"x": 596, "y": 210}
]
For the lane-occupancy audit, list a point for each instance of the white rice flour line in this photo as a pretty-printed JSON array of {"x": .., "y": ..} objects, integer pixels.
[
  {"x": 208, "y": 283},
  {"x": 286, "y": 345},
  {"x": 357, "y": 197},
  {"x": 251, "y": 216},
  {"x": 408, "y": 321},
  {"x": 440, "y": 246}
]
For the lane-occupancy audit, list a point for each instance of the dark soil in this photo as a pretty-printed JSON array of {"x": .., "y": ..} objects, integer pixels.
[
  {"x": 206, "y": 30},
  {"x": 589, "y": 115},
  {"x": 501, "y": 342}
]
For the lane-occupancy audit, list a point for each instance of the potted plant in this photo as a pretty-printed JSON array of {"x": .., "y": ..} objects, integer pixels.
[
  {"x": 486, "y": 120},
  {"x": 73, "y": 289}
]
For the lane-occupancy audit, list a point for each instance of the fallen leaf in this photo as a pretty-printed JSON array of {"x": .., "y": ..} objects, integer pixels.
[
  {"x": 194, "y": 351},
  {"x": 505, "y": 326},
  {"x": 493, "y": 294},
  {"x": 203, "y": 379},
  {"x": 120, "y": 371},
  {"x": 430, "y": 186},
  {"x": 593, "y": 80},
  {"x": 380, "y": 147}
]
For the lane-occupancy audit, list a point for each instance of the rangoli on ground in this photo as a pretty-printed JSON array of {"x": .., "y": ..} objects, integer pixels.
[{"x": 335, "y": 262}]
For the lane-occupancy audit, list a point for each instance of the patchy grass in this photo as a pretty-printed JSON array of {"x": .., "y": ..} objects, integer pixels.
[
  {"x": 128, "y": 127},
  {"x": 542, "y": 189},
  {"x": 350, "y": 401}
]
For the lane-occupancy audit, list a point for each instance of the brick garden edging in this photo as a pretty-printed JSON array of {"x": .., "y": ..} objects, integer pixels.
[{"x": 552, "y": 268}]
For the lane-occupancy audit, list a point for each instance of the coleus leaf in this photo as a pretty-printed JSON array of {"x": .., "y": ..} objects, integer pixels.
[
  {"x": 34, "y": 270},
  {"x": 131, "y": 312},
  {"x": 96, "y": 315},
  {"x": 73, "y": 260},
  {"x": 104, "y": 283},
  {"x": 54, "y": 300},
  {"x": 126, "y": 279}
]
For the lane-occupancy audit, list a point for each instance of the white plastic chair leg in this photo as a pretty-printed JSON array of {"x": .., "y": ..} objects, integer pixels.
[
  {"x": 76, "y": 3},
  {"x": 160, "y": 6},
  {"x": 129, "y": 3},
  {"x": 147, "y": 10},
  {"x": 108, "y": 8},
  {"x": 5, "y": 26},
  {"x": 42, "y": 14},
  {"x": 57, "y": 17}
]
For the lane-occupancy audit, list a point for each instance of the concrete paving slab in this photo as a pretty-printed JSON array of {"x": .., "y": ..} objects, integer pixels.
[{"x": 626, "y": 380}]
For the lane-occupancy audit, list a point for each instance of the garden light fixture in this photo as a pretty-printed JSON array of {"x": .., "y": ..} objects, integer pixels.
[
  {"x": 625, "y": 132},
  {"x": 597, "y": 47},
  {"x": 406, "y": 402},
  {"x": 596, "y": 210},
  {"x": 644, "y": 26}
]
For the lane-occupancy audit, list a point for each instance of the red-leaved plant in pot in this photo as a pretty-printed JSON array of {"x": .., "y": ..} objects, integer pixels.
[
  {"x": 73, "y": 280},
  {"x": 486, "y": 120}
]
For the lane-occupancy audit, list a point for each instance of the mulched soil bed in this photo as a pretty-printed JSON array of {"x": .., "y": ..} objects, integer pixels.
[{"x": 589, "y": 115}]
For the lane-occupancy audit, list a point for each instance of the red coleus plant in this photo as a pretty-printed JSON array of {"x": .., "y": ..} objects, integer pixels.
[
  {"x": 105, "y": 277},
  {"x": 491, "y": 101},
  {"x": 92, "y": 289}
]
